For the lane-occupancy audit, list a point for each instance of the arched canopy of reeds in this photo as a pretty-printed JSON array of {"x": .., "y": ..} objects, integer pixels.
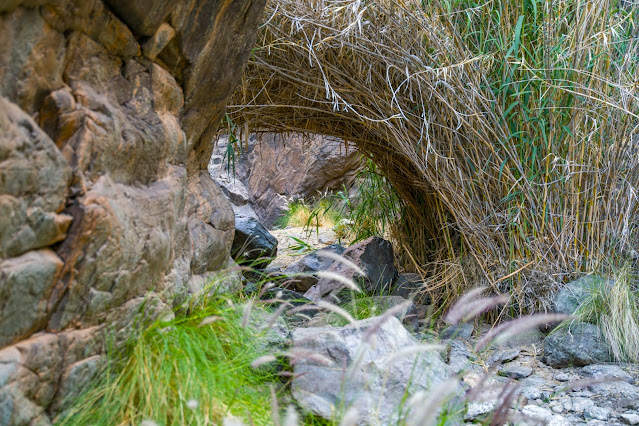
[{"x": 509, "y": 132}]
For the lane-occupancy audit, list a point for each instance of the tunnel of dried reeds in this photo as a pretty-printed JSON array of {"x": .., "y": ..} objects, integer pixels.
[{"x": 508, "y": 129}]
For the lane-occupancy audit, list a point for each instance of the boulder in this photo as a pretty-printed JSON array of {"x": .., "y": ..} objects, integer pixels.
[
  {"x": 374, "y": 256},
  {"x": 302, "y": 271},
  {"x": 252, "y": 241},
  {"x": 568, "y": 299},
  {"x": 411, "y": 286},
  {"x": 578, "y": 345},
  {"x": 353, "y": 366}
]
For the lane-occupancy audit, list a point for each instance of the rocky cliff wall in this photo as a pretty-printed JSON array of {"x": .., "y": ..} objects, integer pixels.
[
  {"x": 107, "y": 110},
  {"x": 275, "y": 168}
]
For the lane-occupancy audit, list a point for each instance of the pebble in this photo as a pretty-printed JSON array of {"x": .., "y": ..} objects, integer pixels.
[
  {"x": 596, "y": 413},
  {"x": 630, "y": 418},
  {"x": 476, "y": 409},
  {"x": 580, "y": 404},
  {"x": 563, "y": 377},
  {"x": 557, "y": 420},
  {"x": 536, "y": 412},
  {"x": 515, "y": 371},
  {"x": 503, "y": 355},
  {"x": 599, "y": 371}
]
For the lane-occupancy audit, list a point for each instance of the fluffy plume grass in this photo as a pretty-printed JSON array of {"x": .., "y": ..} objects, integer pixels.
[
  {"x": 614, "y": 307},
  {"x": 508, "y": 130}
]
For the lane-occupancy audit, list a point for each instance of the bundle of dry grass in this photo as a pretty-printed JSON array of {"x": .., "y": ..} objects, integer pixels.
[{"x": 508, "y": 129}]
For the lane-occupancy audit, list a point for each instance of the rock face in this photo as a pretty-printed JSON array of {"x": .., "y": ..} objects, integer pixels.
[
  {"x": 107, "y": 110},
  {"x": 374, "y": 256},
  {"x": 274, "y": 168},
  {"x": 350, "y": 366},
  {"x": 577, "y": 345}
]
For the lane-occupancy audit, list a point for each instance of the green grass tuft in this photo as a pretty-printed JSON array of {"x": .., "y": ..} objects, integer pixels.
[{"x": 178, "y": 372}]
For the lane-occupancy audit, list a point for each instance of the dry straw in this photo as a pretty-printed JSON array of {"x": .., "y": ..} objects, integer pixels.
[{"x": 504, "y": 155}]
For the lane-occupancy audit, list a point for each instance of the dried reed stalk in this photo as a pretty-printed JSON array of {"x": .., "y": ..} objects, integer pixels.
[{"x": 485, "y": 172}]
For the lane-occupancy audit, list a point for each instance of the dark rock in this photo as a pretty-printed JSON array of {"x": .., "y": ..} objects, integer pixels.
[
  {"x": 411, "y": 286},
  {"x": 142, "y": 16},
  {"x": 578, "y": 345},
  {"x": 462, "y": 331},
  {"x": 252, "y": 241},
  {"x": 374, "y": 256},
  {"x": 296, "y": 304},
  {"x": 308, "y": 265}
]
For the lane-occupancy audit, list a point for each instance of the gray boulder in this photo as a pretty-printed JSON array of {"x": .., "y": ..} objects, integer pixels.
[
  {"x": 252, "y": 241},
  {"x": 374, "y": 256},
  {"x": 574, "y": 293},
  {"x": 353, "y": 366},
  {"x": 579, "y": 344},
  {"x": 302, "y": 271}
]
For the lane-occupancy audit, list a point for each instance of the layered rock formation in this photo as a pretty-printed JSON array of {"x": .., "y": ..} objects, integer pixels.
[
  {"x": 275, "y": 168},
  {"x": 107, "y": 112}
]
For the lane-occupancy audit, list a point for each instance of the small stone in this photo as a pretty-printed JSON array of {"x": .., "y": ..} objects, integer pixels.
[
  {"x": 599, "y": 371},
  {"x": 477, "y": 409},
  {"x": 563, "y": 377},
  {"x": 630, "y": 418},
  {"x": 616, "y": 389},
  {"x": 596, "y": 413},
  {"x": 580, "y": 404},
  {"x": 503, "y": 355},
  {"x": 557, "y": 420},
  {"x": 537, "y": 413},
  {"x": 462, "y": 331},
  {"x": 515, "y": 371}
]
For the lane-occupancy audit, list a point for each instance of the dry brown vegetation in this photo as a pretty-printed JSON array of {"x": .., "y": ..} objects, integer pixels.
[{"x": 508, "y": 129}]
